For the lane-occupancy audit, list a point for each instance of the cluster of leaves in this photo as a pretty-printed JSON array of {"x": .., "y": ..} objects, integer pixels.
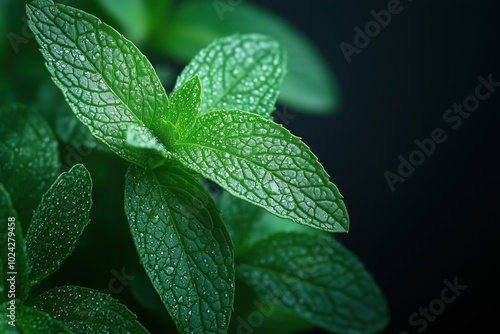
[
  {"x": 191, "y": 25},
  {"x": 215, "y": 124},
  {"x": 174, "y": 30},
  {"x": 29, "y": 156}
]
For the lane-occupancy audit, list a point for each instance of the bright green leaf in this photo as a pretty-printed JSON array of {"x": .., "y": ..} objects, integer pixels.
[
  {"x": 184, "y": 106},
  {"x": 88, "y": 311},
  {"x": 317, "y": 279},
  {"x": 260, "y": 161},
  {"x": 58, "y": 222},
  {"x": 107, "y": 82},
  {"x": 241, "y": 72},
  {"x": 139, "y": 136},
  {"x": 30, "y": 320},
  {"x": 29, "y": 161},
  {"x": 11, "y": 241},
  {"x": 183, "y": 246},
  {"x": 309, "y": 85}
]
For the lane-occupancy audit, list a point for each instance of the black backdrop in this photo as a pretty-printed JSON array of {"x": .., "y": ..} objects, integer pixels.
[{"x": 441, "y": 222}]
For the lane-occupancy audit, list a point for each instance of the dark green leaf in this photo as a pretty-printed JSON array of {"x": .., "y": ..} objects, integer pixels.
[
  {"x": 183, "y": 246},
  {"x": 241, "y": 72},
  {"x": 88, "y": 311},
  {"x": 309, "y": 85},
  {"x": 58, "y": 222},
  {"x": 11, "y": 241},
  {"x": 107, "y": 82},
  {"x": 30, "y": 320},
  {"x": 67, "y": 128},
  {"x": 240, "y": 217},
  {"x": 248, "y": 224},
  {"x": 29, "y": 161},
  {"x": 317, "y": 279},
  {"x": 260, "y": 161}
]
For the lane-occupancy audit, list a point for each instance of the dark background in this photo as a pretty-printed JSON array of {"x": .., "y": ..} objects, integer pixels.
[{"x": 441, "y": 223}]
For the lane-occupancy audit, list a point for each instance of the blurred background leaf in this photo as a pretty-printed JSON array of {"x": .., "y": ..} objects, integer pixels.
[{"x": 29, "y": 159}]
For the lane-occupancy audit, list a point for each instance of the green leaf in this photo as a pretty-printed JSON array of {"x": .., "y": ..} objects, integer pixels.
[
  {"x": 241, "y": 72},
  {"x": 184, "y": 106},
  {"x": 183, "y": 246},
  {"x": 317, "y": 279},
  {"x": 29, "y": 161},
  {"x": 88, "y": 311},
  {"x": 139, "y": 136},
  {"x": 248, "y": 224},
  {"x": 309, "y": 85},
  {"x": 260, "y": 161},
  {"x": 58, "y": 222},
  {"x": 107, "y": 82},
  {"x": 29, "y": 320},
  {"x": 11, "y": 241}
]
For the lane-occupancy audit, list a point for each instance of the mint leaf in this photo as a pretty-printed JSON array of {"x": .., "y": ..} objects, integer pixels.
[
  {"x": 58, "y": 222},
  {"x": 12, "y": 242},
  {"x": 183, "y": 246},
  {"x": 85, "y": 310},
  {"x": 29, "y": 320},
  {"x": 107, "y": 82},
  {"x": 238, "y": 72},
  {"x": 260, "y": 161},
  {"x": 317, "y": 279},
  {"x": 309, "y": 86},
  {"x": 184, "y": 106},
  {"x": 141, "y": 137},
  {"x": 29, "y": 161}
]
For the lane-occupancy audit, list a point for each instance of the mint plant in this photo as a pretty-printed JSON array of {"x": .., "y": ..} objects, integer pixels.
[
  {"x": 216, "y": 125},
  {"x": 57, "y": 223}
]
